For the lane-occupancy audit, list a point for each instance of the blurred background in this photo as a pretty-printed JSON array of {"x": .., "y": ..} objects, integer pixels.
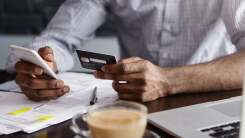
[{"x": 22, "y": 20}]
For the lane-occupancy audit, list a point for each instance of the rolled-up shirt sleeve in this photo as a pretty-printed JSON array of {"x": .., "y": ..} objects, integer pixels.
[
  {"x": 74, "y": 23},
  {"x": 233, "y": 15}
]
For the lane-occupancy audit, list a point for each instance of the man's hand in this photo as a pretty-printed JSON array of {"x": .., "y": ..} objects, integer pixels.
[
  {"x": 144, "y": 80},
  {"x": 34, "y": 83}
]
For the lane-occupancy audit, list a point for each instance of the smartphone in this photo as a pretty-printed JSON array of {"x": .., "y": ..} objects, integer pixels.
[{"x": 33, "y": 57}]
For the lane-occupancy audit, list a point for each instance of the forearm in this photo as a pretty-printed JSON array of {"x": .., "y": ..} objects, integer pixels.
[{"x": 225, "y": 73}]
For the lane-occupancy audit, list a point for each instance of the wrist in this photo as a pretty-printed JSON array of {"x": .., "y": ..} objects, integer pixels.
[{"x": 177, "y": 79}]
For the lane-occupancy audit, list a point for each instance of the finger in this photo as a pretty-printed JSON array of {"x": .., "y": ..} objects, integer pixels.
[
  {"x": 149, "y": 96},
  {"x": 46, "y": 53},
  {"x": 136, "y": 78},
  {"x": 34, "y": 83},
  {"x": 40, "y": 95},
  {"x": 107, "y": 76},
  {"x": 51, "y": 93},
  {"x": 126, "y": 88},
  {"x": 127, "y": 96},
  {"x": 130, "y": 60},
  {"x": 28, "y": 68},
  {"x": 66, "y": 89},
  {"x": 124, "y": 68},
  {"x": 31, "y": 94}
]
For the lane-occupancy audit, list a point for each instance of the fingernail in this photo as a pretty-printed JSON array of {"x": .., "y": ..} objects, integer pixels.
[
  {"x": 96, "y": 74},
  {"x": 49, "y": 57},
  {"x": 59, "y": 84},
  {"x": 38, "y": 71},
  {"x": 104, "y": 68},
  {"x": 66, "y": 89}
]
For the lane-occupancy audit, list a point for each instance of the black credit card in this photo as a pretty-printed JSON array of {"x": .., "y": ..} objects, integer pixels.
[{"x": 94, "y": 61}]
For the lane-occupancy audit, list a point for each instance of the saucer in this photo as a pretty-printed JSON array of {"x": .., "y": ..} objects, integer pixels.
[{"x": 150, "y": 134}]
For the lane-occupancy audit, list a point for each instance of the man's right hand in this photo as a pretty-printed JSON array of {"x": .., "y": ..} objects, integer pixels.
[{"x": 34, "y": 83}]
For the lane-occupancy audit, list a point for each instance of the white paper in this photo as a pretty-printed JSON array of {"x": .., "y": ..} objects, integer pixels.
[
  {"x": 17, "y": 110},
  {"x": 7, "y": 129}
]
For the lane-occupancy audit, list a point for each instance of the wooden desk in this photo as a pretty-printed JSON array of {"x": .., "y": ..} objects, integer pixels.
[{"x": 62, "y": 130}]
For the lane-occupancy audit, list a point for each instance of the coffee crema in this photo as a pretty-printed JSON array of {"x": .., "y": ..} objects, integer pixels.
[{"x": 117, "y": 123}]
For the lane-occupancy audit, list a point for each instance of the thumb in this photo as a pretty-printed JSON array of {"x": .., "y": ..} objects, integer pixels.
[{"x": 46, "y": 53}]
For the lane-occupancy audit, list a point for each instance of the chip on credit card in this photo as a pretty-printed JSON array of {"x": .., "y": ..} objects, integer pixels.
[{"x": 94, "y": 61}]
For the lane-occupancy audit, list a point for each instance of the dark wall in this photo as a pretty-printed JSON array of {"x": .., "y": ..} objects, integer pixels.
[{"x": 32, "y": 16}]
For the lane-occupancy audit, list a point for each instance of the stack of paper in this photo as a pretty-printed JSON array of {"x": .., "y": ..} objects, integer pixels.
[{"x": 17, "y": 113}]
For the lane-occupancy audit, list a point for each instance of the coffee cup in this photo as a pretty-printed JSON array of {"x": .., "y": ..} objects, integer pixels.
[{"x": 119, "y": 119}]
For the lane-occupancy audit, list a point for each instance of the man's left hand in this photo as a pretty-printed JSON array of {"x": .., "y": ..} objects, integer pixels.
[{"x": 144, "y": 80}]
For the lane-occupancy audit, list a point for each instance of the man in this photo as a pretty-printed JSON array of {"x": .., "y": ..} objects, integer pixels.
[{"x": 167, "y": 46}]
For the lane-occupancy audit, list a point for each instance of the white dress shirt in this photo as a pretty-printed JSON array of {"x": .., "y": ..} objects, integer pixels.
[{"x": 169, "y": 33}]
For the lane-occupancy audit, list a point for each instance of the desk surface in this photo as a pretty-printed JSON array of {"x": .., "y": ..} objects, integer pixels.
[{"x": 62, "y": 130}]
